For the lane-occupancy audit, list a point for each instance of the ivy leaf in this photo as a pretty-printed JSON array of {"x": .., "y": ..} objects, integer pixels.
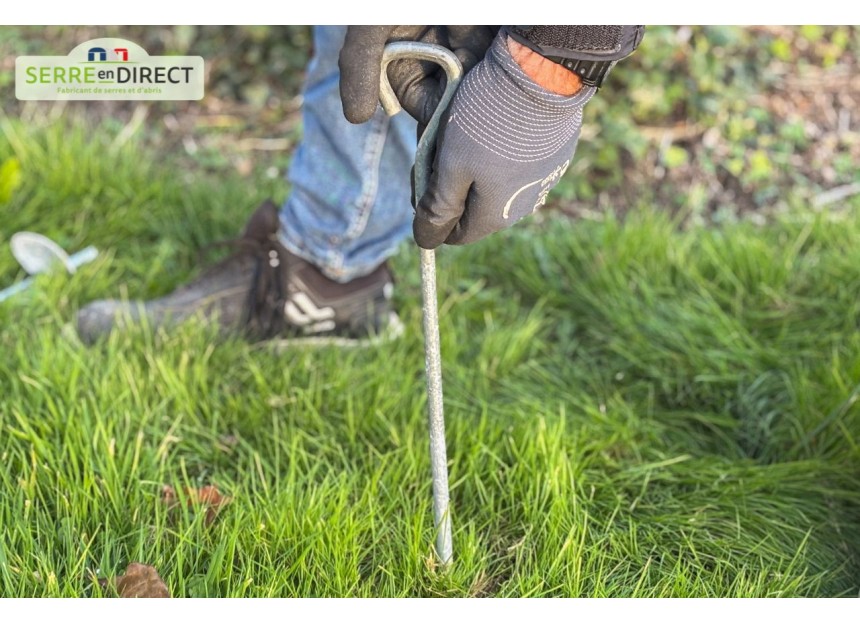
[{"x": 675, "y": 156}]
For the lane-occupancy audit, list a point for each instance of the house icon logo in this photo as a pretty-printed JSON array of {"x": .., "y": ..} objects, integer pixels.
[{"x": 100, "y": 55}]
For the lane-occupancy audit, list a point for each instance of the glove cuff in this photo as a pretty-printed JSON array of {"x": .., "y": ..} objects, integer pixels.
[
  {"x": 547, "y": 100},
  {"x": 584, "y": 43}
]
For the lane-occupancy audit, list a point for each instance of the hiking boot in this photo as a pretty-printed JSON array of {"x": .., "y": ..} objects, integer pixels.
[{"x": 264, "y": 292}]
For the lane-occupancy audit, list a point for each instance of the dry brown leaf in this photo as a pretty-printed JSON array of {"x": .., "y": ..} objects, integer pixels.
[
  {"x": 208, "y": 497},
  {"x": 139, "y": 581}
]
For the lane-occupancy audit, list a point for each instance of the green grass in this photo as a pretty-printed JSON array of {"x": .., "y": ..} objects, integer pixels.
[{"x": 632, "y": 410}]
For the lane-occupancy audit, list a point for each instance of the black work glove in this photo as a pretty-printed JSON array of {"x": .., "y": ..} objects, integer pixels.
[
  {"x": 417, "y": 84},
  {"x": 503, "y": 144}
]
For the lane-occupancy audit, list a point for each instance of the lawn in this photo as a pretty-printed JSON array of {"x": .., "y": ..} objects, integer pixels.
[{"x": 633, "y": 408}]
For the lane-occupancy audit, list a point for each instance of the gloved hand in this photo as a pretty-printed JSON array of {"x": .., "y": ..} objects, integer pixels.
[
  {"x": 502, "y": 146},
  {"x": 417, "y": 84}
]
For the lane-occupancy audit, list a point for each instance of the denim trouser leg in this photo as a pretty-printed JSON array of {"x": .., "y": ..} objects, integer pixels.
[{"x": 349, "y": 206}]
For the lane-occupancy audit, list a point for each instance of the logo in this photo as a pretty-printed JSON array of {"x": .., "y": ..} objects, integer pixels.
[
  {"x": 300, "y": 310},
  {"x": 109, "y": 69},
  {"x": 546, "y": 185}
]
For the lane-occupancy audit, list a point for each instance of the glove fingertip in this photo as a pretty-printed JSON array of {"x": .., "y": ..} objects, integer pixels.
[
  {"x": 437, "y": 215},
  {"x": 356, "y": 113},
  {"x": 359, "y": 66},
  {"x": 358, "y": 106},
  {"x": 426, "y": 236}
]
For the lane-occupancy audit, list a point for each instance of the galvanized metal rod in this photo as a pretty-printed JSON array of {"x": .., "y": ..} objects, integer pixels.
[
  {"x": 432, "y": 350},
  {"x": 435, "y": 410}
]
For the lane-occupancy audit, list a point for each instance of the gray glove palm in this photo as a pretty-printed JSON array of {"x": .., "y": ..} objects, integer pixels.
[{"x": 504, "y": 143}]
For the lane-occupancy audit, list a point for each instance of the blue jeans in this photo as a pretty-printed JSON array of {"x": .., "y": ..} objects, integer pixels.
[{"x": 349, "y": 206}]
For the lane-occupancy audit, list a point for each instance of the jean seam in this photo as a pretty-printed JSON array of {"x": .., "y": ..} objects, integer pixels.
[{"x": 373, "y": 156}]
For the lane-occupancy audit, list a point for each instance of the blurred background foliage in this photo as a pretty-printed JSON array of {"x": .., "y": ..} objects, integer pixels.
[
  {"x": 727, "y": 119},
  {"x": 709, "y": 122}
]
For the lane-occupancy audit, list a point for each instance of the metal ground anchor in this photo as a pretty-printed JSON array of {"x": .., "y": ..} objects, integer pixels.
[{"x": 432, "y": 352}]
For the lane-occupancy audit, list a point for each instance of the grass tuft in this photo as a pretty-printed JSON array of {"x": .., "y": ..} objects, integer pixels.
[{"x": 632, "y": 410}]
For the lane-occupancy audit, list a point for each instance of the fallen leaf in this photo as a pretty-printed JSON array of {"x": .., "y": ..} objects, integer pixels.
[
  {"x": 208, "y": 497},
  {"x": 139, "y": 581}
]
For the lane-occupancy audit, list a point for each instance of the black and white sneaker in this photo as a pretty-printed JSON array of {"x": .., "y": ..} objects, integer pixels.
[{"x": 265, "y": 293}]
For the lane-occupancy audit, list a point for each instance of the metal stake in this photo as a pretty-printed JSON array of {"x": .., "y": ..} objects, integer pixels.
[{"x": 432, "y": 352}]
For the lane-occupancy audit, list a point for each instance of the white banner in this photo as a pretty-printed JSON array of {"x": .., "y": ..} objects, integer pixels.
[{"x": 109, "y": 69}]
